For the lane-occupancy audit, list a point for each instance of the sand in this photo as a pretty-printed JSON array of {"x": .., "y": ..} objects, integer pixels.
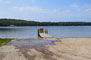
[
  {"x": 72, "y": 49},
  {"x": 66, "y": 49}
]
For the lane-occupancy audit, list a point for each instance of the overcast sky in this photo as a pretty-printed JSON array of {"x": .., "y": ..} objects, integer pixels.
[{"x": 46, "y": 10}]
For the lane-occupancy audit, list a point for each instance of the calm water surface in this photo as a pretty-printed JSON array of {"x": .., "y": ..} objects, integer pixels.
[
  {"x": 55, "y": 31},
  {"x": 32, "y": 42}
]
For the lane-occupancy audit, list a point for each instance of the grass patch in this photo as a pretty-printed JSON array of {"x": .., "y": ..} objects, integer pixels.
[{"x": 4, "y": 41}]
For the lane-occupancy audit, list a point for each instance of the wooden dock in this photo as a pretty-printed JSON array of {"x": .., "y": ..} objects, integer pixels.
[{"x": 44, "y": 35}]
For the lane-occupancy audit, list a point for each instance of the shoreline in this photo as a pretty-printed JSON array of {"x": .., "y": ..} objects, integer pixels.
[
  {"x": 66, "y": 49},
  {"x": 46, "y": 38}
]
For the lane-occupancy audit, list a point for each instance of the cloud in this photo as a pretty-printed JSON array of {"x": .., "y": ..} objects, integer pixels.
[
  {"x": 50, "y": 13},
  {"x": 43, "y": 14},
  {"x": 5, "y": 2},
  {"x": 33, "y": 9},
  {"x": 75, "y": 5},
  {"x": 88, "y": 10},
  {"x": 38, "y": 13}
]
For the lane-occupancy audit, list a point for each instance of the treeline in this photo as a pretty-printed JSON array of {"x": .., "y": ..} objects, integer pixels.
[{"x": 16, "y": 22}]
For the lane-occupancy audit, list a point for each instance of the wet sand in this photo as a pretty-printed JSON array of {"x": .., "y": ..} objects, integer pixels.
[{"x": 66, "y": 49}]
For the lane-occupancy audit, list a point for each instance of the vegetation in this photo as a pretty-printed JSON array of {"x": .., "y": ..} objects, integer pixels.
[
  {"x": 14, "y": 22},
  {"x": 3, "y": 41}
]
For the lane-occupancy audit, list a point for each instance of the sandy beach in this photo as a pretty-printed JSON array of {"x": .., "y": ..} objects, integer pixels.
[{"x": 66, "y": 49}]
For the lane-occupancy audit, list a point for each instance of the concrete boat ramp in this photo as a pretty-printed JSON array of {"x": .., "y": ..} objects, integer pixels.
[
  {"x": 67, "y": 49},
  {"x": 26, "y": 50}
]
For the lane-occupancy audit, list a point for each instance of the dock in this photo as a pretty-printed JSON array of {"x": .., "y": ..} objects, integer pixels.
[{"x": 43, "y": 33}]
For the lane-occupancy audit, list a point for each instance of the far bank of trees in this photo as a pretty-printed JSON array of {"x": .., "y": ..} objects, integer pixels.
[{"x": 16, "y": 22}]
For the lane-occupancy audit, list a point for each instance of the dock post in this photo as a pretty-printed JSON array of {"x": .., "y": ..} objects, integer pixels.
[
  {"x": 46, "y": 31},
  {"x": 38, "y": 34},
  {"x": 40, "y": 31}
]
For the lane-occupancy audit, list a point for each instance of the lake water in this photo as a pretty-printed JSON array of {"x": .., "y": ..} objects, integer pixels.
[
  {"x": 32, "y": 43},
  {"x": 55, "y": 31}
]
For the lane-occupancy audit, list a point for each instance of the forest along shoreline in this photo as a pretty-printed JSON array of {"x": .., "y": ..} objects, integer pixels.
[{"x": 19, "y": 22}]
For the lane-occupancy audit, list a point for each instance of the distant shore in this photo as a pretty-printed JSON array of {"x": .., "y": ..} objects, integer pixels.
[{"x": 19, "y": 22}]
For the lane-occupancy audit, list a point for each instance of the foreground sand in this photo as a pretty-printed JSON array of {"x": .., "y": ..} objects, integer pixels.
[{"x": 67, "y": 49}]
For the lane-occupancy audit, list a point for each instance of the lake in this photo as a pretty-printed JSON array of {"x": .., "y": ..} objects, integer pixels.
[{"x": 55, "y": 31}]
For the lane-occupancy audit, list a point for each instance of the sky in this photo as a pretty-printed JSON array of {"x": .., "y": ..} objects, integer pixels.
[{"x": 47, "y": 10}]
